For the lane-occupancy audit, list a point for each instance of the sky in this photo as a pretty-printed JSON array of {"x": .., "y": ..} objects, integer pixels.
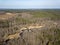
[{"x": 29, "y": 4}]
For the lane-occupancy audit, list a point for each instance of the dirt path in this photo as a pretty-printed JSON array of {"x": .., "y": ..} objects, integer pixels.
[
  {"x": 31, "y": 27},
  {"x": 17, "y": 35}
]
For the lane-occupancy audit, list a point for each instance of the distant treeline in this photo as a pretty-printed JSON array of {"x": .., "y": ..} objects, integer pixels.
[{"x": 26, "y": 10}]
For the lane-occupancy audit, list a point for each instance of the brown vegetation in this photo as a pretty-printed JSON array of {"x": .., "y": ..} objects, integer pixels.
[{"x": 26, "y": 29}]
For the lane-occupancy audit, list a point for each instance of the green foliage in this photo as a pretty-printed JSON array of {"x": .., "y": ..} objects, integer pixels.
[
  {"x": 57, "y": 43},
  {"x": 22, "y": 20},
  {"x": 46, "y": 14},
  {"x": 4, "y": 24}
]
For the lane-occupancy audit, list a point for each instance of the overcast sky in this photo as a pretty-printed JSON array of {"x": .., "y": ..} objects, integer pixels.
[{"x": 28, "y": 4}]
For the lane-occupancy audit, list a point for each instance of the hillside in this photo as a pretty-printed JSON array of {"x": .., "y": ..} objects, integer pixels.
[{"x": 30, "y": 27}]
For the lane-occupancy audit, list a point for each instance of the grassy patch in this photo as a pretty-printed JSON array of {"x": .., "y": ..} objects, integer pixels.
[
  {"x": 22, "y": 20},
  {"x": 44, "y": 14}
]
